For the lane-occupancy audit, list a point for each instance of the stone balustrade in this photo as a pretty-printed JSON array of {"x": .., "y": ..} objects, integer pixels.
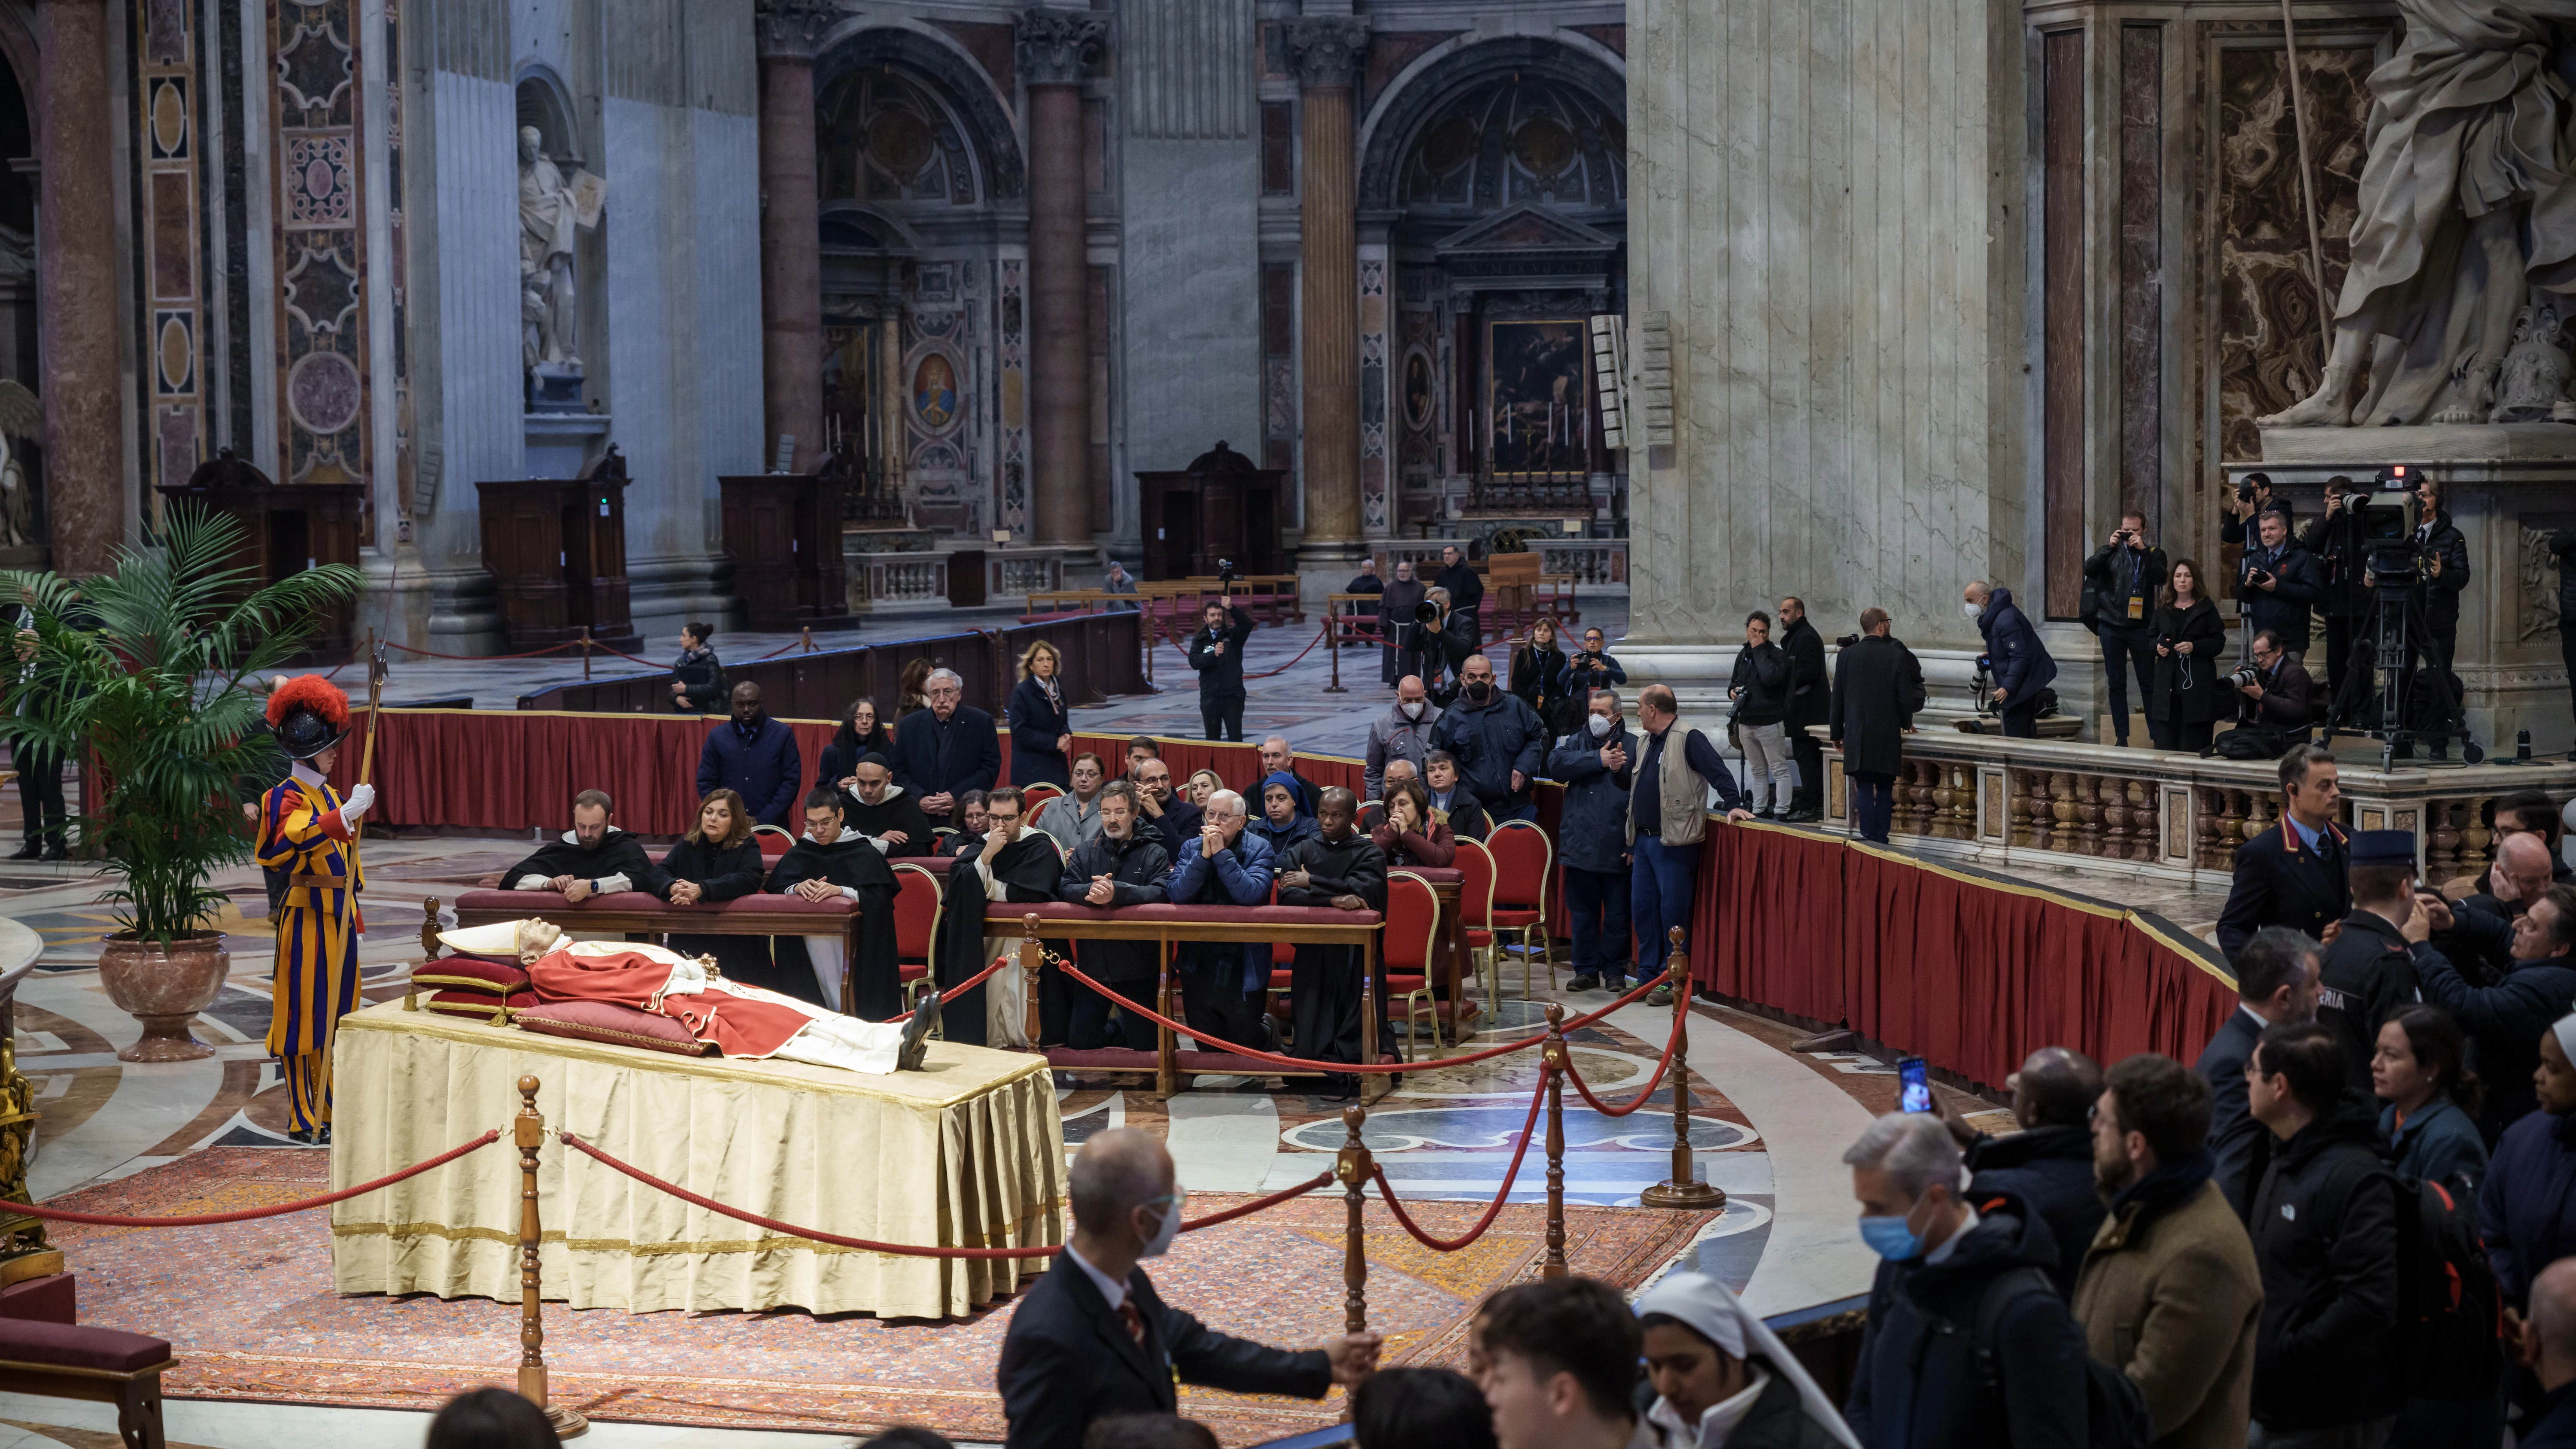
[{"x": 1995, "y": 802}]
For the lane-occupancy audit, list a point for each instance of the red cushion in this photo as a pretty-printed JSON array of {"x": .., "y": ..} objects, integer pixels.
[
  {"x": 1279, "y": 980},
  {"x": 69, "y": 1345},
  {"x": 478, "y": 1004},
  {"x": 1399, "y": 985},
  {"x": 1479, "y": 938},
  {"x": 54, "y": 1298},
  {"x": 1513, "y": 917},
  {"x": 912, "y": 972},
  {"x": 472, "y": 973},
  {"x": 602, "y": 1021}
]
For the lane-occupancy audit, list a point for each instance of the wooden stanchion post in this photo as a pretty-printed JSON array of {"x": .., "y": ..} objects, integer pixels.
[
  {"x": 428, "y": 951},
  {"x": 1552, "y": 1061},
  {"x": 531, "y": 1135},
  {"x": 1333, "y": 648},
  {"x": 1684, "y": 1189},
  {"x": 1032, "y": 956},
  {"x": 1352, "y": 1169},
  {"x": 807, "y": 634},
  {"x": 585, "y": 651}
]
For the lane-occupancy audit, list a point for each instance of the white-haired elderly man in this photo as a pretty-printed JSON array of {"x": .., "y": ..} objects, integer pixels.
[
  {"x": 1919, "y": 1382},
  {"x": 1224, "y": 983},
  {"x": 944, "y": 751}
]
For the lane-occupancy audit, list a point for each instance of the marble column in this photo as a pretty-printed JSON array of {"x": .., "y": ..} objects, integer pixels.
[
  {"x": 1053, "y": 45},
  {"x": 77, "y": 286},
  {"x": 791, "y": 244},
  {"x": 1326, "y": 51}
]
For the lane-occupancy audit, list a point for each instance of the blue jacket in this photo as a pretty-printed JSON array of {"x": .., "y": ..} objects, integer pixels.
[
  {"x": 2021, "y": 664},
  {"x": 2553, "y": 1423},
  {"x": 929, "y": 760},
  {"x": 1591, "y": 832},
  {"x": 2439, "y": 1144},
  {"x": 2527, "y": 1206},
  {"x": 1239, "y": 876},
  {"x": 1491, "y": 740},
  {"x": 1280, "y": 837},
  {"x": 2505, "y": 1020},
  {"x": 763, "y": 767}
]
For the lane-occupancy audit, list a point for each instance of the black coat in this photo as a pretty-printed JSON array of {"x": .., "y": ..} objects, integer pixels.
[
  {"x": 2120, "y": 574},
  {"x": 1466, "y": 586},
  {"x": 876, "y": 973},
  {"x": 841, "y": 757},
  {"x": 1921, "y": 1328},
  {"x": 1878, "y": 685},
  {"x": 2442, "y": 591},
  {"x": 1221, "y": 675},
  {"x": 899, "y": 810},
  {"x": 2234, "y": 1135},
  {"x": 1810, "y": 688},
  {"x": 2021, "y": 661},
  {"x": 725, "y": 875},
  {"x": 2280, "y": 882},
  {"x": 931, "y": 760},
  {"x": 701, "y": 676},
  {"x": 1179, "y": 822},
  {"x": 1028, "y": 870},
  {"x": 1037, "y": 722},
  {"x": 2187, "y": 689},
  {"x": 2369, "y": 972},
  {"x": 1761, "y": 686},
  {"x": 1538, "y": 677},
  {"x": 2324, "y": 1226},
  {"x": 2284, "y": 608},
  {"x": 1067, "y": 1360},
  {"x": 1324, "y": 995},
  {"x": 2051, "y": 1170},
  {"x": 618, "y": 853},
  {"x": 2341, "y": 559},
  {"x": 1592, "y": 826},
  {"x": 2289, "y": 700},
  {"x": 1467, "y": 818},
  {"x": 1137, "y": 868}
]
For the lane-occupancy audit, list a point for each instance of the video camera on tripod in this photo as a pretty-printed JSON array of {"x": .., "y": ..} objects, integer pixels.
[{"x": 2395, "y": 566}]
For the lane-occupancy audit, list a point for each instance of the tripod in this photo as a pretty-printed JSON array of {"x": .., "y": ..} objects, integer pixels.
[{"x": 2398, "y": 635}]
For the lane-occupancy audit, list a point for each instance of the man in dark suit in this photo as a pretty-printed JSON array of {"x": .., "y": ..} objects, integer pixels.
[
  {"x": 755, "y": 756},
  {"x": 1093, "y": 1338},
  {"x": 2293, "y": 874},
  {"x": 2276, "y": 981},
  {"x": 1810, "y": 698},
  {"x": 2279, "y": 583},
  {"x": 1878, "y": 686},
  {"x": 946, "y": 750}
]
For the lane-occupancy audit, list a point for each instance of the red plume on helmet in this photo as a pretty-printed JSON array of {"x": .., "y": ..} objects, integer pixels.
[{"x": 313, "y": 692}]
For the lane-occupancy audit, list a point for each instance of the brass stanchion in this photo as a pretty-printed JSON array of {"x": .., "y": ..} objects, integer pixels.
[
  {"x": 1552, "y": 1061},
  {"x": 585, "y": 651},
  {"x": 530, "y": 1135},
  {"x": 428, "y": 950},
  {"x": 1353, "y": 1169},
  {"x": 807, "y": 634},
  {"x": 1684, "y": 1189},
  {"x": 1333, "y": 647},
  {"x": 1032, "y": 955}
]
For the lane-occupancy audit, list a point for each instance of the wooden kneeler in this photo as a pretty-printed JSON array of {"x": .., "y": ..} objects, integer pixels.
[{"x": 101, "y": 1365}]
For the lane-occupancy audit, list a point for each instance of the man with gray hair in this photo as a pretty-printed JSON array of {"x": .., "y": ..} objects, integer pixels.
[
  {"x": 1093, "y": 1339},
  {"x": 1224, "y": 983},
  {"x": 1922, "y": 1379},
  {"x": 946, "y": 750}
]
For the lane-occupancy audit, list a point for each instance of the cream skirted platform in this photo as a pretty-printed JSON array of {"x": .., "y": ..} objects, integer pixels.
[{"x": 966, "y": 1153}]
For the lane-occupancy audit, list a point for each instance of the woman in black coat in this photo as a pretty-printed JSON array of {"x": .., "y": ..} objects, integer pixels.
[
  {"x": 720, "y": 861},
  {"x": 697, "y": 676},
  {"x": 1041, "y": 726},
  {"x": 859, "y": 736},
  {"x": 2187, "y": 701},
  {"x": 1538, "y": 677}
]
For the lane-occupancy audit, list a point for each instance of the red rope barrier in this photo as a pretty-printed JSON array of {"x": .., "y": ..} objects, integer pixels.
[
  {"x": 1661, "y": 1064},
  {"x": 969, "y": 984},
  {"x": 909, "y": 1250},
  {"x": 1492, "y": 1210},
  {"x": 200, "y": 1220},
  {"x": 1293, "y": 663},
  {"x": 485, "y": 658}
]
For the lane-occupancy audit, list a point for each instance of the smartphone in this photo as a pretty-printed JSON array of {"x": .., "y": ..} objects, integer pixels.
[{"x": 1914, "y": 1088}]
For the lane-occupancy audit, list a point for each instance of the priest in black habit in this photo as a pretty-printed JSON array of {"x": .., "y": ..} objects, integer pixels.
[
  {"x": 829, "y": 862},
  {"x": 592, "y": 858},
  {"x": 1011, "y": 865},
  {"x": 1337, "y": 867},
  {"x": 885, "y": 813},
  {"x": 719, "y": 861}
]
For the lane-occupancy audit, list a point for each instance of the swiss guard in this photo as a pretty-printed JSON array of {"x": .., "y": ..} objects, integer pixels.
[{"x": 309, "y": 833}]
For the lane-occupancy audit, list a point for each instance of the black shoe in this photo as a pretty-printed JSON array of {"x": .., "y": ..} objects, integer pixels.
[
  {"x": 54, "y": 851},
  {"x": 1584, "y": 983},
  {"x": 30, "y": 850},
  {"x": 311, "y": 1136},
  {"x": 1803, "y": 817},
  {"x": 916, "y": 1033},
  {"x": 1615, "y": 984}
]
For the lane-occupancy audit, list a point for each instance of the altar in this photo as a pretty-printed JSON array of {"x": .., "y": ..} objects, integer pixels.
[{"x": 967, "y": 1153}]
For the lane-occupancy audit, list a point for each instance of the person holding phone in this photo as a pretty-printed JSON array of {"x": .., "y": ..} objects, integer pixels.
[{"x": 2124, "y": 576}]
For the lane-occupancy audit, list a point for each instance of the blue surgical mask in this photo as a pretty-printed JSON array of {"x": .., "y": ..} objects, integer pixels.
[
  {"x": 1167, "y": 1230},
  {"x": 1891, "y": 1238}
]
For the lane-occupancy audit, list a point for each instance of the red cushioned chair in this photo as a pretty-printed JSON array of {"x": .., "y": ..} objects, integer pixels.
[
  {"x": 101, "y": 1365},
  {"x": 918, "y": 903},
  {"x": 1412, "y": 925},
  {"x": 774, "y": 842},
  {"x": 1523, "y": 862},
  {"x": 1034, "y": 796},
  {"x": 1476, "y": 912}
]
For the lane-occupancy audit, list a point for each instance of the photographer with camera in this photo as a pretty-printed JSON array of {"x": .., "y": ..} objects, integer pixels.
[
  {"x": 2277, "y": 582},
  {"x": 2279, "y": 703},
  {"x": 1216, "y": 652},
  {"x": 2336, "y": 541},
  {"x": 2252, "y": 500},
  {"x": 2022, "y": 668},
  {"x": 2122, "y": 579},
  {"x": 1466, "y": 599},
  {"x": 1594, "y": 669},
  {"x": 2441, "y": 572}
]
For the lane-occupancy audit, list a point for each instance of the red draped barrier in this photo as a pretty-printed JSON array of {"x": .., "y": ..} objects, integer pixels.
[{"x": 1971, "y": 974}]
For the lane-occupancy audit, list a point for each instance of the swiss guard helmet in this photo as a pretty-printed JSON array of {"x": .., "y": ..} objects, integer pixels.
[{"x": 308, "y": 714}]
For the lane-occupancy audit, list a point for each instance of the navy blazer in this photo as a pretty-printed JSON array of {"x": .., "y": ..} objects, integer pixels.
[
  {"x": 764, "y": 768},
  {"x": 2280, "y": 882},
  {"x": 2233, "y": 1132},
  {"x": 1036, "y": 724},
  {"x": 928, "y": 760},
  {"x": 1068, "y": 1360}
]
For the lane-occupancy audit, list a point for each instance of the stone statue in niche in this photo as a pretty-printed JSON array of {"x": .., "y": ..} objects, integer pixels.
[
  {"x": 2534, "y": 381},
  {"x": 2467, "y": 215},
  {"x": 550, "y": 345},
  {"x": 21, "y": 416}
]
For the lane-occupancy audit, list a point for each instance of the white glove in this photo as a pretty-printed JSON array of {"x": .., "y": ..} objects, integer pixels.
[{"x": 361, "y": 798}]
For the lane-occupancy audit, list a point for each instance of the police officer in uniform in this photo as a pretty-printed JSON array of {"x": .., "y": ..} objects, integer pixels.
[
  {"x": 2293, "y": 873},
  {"x": 2370, "y": 969}
]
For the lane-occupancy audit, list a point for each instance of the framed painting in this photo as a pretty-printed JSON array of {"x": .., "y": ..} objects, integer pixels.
[{"x": 1538, "y": 397}]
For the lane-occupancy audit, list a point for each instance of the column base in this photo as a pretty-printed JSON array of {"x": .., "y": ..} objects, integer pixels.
[
  {"x": 397, "y": 598},
  {"x": 465, "y": 613},
  {"x": 1327, "y": 568}
]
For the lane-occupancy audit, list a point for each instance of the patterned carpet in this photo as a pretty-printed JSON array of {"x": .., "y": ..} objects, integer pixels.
[{"x": 249, "y": 1311}]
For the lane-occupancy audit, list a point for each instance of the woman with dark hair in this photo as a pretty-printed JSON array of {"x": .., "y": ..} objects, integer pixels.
[
  {"x": 1420, "y": 1408},
  {"x": 719, "y": 861},
  {"x": 1538, "y": 677},
  {"x": 1721, "y": 1378},
  {"x": 912, "y": 689},
  {"x": 2186, "y": 703},
  {"x": 1041, "y": 725},
  {"x": 697, "y": 679},
  {"x": 859, "y": 736},
  {"x": 491, "y": 1419},
  {"x": 1407, "y": 835},
  {"x": 2430, "y": 1122}
]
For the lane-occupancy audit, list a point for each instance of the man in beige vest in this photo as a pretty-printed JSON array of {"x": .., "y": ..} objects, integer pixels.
[{"x": 1667, "y": 819}]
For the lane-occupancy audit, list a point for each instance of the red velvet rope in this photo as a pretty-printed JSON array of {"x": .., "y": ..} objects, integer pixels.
[
  {"x": 969, "y": 984},
  {"x": 1501, "y": 1195},
  {"x": 909, "y": 1250},
  {"x": 1661, "y": 1063},
  {"x": 1293, "y": 663},
  {"x": 200, "y": 1220},
  {"x": 483, "y": 658}
]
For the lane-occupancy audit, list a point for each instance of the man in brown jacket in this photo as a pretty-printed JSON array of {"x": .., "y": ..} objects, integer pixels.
[{"x": 2170, "y": 1293}]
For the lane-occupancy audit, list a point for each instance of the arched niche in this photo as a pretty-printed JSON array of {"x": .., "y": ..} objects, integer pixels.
[
  {"x": 1501, "y": 123},
  {"x": 871, "y": 74}
]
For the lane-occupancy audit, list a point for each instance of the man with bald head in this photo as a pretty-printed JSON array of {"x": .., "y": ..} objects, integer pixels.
[
  {"x": 2506, "y": 1019},
  {"x": 2048, "y": 1164},
  {"x": 2479, "y": 937},
  {"x": 2544, "y": 1341},
  {"x": 1094, "y": 1339},
  {"x": 1278, "y": 759}
]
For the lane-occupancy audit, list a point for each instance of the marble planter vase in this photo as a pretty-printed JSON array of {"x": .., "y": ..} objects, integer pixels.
[{"x": 164, "y": 990}]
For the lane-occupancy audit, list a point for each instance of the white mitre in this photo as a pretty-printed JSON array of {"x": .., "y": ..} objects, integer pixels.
[{"x": 527, "y": 940}]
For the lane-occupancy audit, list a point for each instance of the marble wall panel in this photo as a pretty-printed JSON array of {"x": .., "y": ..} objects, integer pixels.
[
  {"x": 326, "y": 413},
  {"x": 167, "y": 93}
]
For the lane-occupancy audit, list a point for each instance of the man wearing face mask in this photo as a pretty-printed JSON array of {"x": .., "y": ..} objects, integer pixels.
[
  {"x": 2022, "y": 667},
  {"x": 1400, "y": 649},
  {"x": 1921, "y": 1380},
  {"x": 1402, "y": 733},
  {"x": 1594, "y": 766},
  {"x": 1497, "y": 739},
  {"x": 1093, "y": 1338}
]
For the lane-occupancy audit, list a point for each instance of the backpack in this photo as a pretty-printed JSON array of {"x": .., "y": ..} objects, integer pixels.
[
  {"x": 2115, "y": 1412},
  {"x": 2450, "y": 1316}
]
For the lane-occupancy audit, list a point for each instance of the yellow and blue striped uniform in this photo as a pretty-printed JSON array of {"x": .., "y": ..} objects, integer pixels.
[{"x": 301, "y": 834}]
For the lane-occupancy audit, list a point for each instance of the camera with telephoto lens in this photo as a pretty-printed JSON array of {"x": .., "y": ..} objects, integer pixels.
[
  {"x": 2243, "y": 675},
  {"x": 1984, "y": 684},
  {"x": 1225, "y": 571},
  {"x": 1846, "y": 641}
]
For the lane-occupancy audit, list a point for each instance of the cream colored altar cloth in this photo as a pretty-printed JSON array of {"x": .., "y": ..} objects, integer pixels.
[{"x": 969, "y": 1153}]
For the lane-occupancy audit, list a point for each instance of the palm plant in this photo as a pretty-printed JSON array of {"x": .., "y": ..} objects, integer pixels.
[{"x": 150, "y": 673}]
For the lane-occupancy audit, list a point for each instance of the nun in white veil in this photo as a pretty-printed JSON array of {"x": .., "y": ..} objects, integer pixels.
[{"x": 1722, "y": 1380}]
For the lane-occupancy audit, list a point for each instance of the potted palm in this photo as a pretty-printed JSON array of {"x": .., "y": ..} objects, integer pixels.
[{"x": 150, "y": 673}]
